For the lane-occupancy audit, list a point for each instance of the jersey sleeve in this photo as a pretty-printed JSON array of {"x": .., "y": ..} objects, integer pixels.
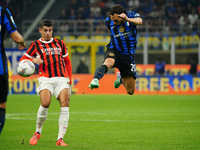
[
  {"x": 132, "y": 14},
  {"x": 30, "y": 53},
  {"x": 64, "y": 49},
  {"x": 68, "y": 67},
  {"x": 67, "y": 61},
  {"x": 25, "y": 57},
  {"x": 107, "y": 22},
  {"x": 9, "y": 22}
]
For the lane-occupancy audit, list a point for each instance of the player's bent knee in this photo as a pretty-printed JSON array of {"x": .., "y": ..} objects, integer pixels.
[
  {"x": 45, "y": 104},
  {"x": 130, "y": 91}
]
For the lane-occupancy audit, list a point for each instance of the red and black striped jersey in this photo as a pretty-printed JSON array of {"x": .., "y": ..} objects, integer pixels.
[{"x": 52, "y": 53}]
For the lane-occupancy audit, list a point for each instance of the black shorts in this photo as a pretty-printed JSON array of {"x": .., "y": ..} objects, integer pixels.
[
  {"x": 125, "y": 63},
  {"x": 3, "y": 88}
]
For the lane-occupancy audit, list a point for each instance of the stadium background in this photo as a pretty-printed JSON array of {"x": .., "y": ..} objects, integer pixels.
[{"x": 167, "y": 32}]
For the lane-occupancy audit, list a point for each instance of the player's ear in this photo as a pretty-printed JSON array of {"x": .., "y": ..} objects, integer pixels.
[{"x": 40, "y": 30}]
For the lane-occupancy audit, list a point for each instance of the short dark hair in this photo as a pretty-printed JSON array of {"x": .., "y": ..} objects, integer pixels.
[
  {"x": 117, "y": 9},
  {"x": 45, "y": 22}
]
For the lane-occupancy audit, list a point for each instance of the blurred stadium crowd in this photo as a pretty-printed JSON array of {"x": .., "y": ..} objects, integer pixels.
[
  {"x": 159, "y": 15},
  {"x": 177, "y": 15}
]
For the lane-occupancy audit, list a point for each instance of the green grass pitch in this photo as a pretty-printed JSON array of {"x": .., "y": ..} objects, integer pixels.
[{"x": 107, "y": 122}]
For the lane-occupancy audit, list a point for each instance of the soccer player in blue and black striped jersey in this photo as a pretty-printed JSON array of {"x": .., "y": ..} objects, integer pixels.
[
  {"x": 121, "y": 48},
  {"x": 7, "y": 24}
]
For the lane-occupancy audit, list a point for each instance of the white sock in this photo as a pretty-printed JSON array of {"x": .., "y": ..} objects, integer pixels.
[
  {"x": 41, "y": 117},
  {"x": 63, "y": 122}
]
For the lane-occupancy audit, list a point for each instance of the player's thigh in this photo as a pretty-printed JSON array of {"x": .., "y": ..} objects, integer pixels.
[
  {"x": 45, "y": 97},
  {"x": 109, "y": 58},
  {"x": 64, "y": 97},
  {"x": 109, "y": 62},
  {"x": 62, "y": 91},
  {"x": 129, "y": 84}
]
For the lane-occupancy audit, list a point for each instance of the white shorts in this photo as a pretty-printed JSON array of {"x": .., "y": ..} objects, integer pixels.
[{"x": 55, "y": 84}]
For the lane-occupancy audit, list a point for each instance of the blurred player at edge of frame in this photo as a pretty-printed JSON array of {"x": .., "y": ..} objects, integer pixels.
[
  {"x": 55, "y": 73},
  {"x": 7, "y": 25},
  {"x": 121, "y": 48}
]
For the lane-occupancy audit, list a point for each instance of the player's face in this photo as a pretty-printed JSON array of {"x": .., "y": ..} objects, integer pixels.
[
  {"x": 117, "y": 20},
  {"x": 46, "y": 33}
]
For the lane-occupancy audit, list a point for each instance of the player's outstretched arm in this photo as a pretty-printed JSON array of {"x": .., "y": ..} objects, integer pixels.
[
  {"x": 136, "y": 21},
  {"x": 17, "y": 37}
]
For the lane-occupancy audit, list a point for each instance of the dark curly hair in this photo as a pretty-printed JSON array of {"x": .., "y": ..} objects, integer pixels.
[
  {"x": 117, "y": 9},
  {"x": 45, "y": 22}
]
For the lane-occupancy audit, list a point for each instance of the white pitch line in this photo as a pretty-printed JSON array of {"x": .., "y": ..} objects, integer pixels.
[
  {"x": 17, "y": 118},
  {"x": 137, "y": 120},
  {"x": 19, "y": 114},
  {"x": 95, "y": 120},
  {"x": 113, "y": 113}
]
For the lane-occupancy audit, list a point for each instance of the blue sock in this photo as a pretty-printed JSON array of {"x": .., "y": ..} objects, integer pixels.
[
  {"x": 2, "y": 118},
  {"x": 99, "y": 73}
]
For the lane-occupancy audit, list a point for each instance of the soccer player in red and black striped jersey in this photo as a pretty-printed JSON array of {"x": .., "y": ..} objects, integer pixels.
[{"x": 55, "y": 73}]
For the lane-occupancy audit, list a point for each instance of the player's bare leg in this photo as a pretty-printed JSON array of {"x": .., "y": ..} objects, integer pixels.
[
  {"x": 45, "y": 97},
  {"x": 129, "y": 84}
]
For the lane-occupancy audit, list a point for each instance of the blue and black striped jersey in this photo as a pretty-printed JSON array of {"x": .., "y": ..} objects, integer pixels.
[
  {"x": 7, "y": 24},
  {"x": 123, "y": 37}
]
